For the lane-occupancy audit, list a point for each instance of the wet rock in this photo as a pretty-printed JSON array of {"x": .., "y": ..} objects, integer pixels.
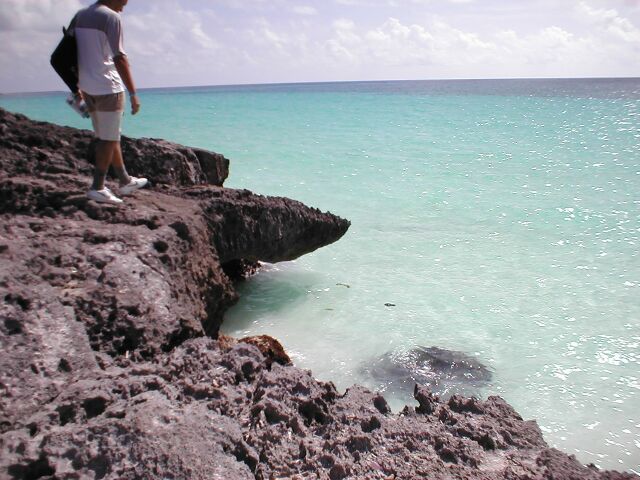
[{"x": 445, "y": 372}]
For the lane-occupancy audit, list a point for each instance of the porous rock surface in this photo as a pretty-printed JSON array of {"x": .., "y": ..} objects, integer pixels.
[{"x": 111, "y": 365}]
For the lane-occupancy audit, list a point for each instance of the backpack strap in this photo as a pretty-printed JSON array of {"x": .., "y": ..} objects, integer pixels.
[{"x": 70, "y": 30}]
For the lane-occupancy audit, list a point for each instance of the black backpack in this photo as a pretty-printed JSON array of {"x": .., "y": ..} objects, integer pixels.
[{"x": 64, "y": 58}]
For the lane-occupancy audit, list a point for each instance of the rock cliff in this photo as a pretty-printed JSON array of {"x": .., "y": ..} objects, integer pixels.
[{"x": 111, "y": 365}]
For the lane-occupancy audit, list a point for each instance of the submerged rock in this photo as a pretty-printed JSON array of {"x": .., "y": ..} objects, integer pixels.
[{"x": 444, "y": 372}]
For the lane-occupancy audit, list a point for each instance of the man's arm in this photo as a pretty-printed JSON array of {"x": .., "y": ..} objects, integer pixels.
[{"x": 122, "y": 66}]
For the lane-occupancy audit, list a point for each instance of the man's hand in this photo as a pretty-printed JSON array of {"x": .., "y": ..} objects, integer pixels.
[
  {"x": 122, "y": 66},
  {"x": 135, "y": 104}
]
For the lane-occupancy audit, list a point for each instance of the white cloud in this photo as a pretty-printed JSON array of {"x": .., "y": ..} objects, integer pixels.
[
  {"x": 395, "y": 43},
  {"x": 608, "y": 20},
  {"x": 351, "y": 3},
  {"x": 169, "y": 44},
  {"x": 36, "y": 15},
  {"x": 29, "y": 32},
  {"x": 173, "y": 42},
  {"x": 425, "y": 2},
  {"x": 367, "y": 3},
  {"x": 305, "y": 10},
  {"x": 438, "y": 50}
]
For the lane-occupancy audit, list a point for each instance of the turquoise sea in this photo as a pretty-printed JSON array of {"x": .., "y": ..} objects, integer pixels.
[{"x": 500, "y": 218}]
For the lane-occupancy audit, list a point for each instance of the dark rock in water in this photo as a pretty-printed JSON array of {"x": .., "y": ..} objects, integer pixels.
[
  {"x": 445, "y": 372},
  {"x": 105, "y": 369},
  {"x": 240, "y": 269}
]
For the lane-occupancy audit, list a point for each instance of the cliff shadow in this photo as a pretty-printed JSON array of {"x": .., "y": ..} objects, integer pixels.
[{"x": 272, "y": 290}]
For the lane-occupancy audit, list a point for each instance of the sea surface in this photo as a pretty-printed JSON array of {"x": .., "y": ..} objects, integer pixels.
[{"x": 500, "y": 218}]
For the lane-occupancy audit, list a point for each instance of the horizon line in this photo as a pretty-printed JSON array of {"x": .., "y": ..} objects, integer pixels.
[{"x": 313, "y": 82}]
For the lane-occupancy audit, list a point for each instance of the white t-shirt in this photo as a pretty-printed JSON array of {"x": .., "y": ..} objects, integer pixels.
[{"x": 98, "y": 32}]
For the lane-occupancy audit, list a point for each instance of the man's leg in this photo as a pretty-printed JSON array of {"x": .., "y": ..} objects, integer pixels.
[
  {"x": 118, "y": 166},
  {"x": 106, "y": 115},
  {"x": 128, "y": 184},
  {"x": 104, "y": 157},
  {"x": 105, "y": 153}
]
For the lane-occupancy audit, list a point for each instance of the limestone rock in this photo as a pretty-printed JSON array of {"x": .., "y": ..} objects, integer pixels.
[{"x": 111, "y": 366}]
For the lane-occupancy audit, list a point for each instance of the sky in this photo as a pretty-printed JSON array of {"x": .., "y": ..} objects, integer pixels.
[{"x": 222, "y": 42}]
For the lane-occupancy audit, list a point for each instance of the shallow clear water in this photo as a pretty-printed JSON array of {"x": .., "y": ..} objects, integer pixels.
[{"x": 497, "y": 218}]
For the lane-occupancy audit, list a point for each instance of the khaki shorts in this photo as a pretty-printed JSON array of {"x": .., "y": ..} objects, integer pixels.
[{"x": 106, "y": 114}]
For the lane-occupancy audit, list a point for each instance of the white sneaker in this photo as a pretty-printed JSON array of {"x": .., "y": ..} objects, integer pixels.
[
  {"x": 104, "y": 196},
  {"x": 133, "y": 185}
]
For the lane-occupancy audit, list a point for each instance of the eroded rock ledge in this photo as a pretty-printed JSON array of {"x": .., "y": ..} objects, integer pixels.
[{"x": 111, "y": 366}]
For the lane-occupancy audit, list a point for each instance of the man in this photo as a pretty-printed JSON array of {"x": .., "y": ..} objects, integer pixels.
[{"x": 103, "y": 71}]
